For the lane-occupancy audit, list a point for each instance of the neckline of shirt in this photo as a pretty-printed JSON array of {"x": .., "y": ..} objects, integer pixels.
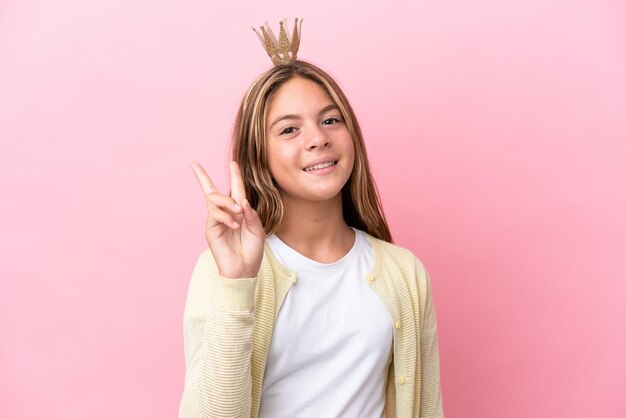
[{"x": 304, "y": 262}]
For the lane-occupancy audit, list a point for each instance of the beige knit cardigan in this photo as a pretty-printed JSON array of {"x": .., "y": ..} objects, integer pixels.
[{"x": 228, "y": 326}]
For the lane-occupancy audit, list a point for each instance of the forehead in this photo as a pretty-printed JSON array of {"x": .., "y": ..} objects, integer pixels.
[{"x": 298, "y": 95}]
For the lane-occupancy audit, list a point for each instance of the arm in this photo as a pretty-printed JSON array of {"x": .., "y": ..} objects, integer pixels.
[
  {"x": 217, "y": 323},
  {"x": 431, "y": 401}
]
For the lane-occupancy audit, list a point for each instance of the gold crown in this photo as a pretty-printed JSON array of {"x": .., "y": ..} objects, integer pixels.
[{"x": 283, "y": 50}]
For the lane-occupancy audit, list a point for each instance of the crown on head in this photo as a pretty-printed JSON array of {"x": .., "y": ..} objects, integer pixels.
[{"x": 282, "y": 50}]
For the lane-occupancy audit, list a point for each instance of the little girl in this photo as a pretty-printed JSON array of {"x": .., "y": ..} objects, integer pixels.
[{"x": 302, "y": 306}]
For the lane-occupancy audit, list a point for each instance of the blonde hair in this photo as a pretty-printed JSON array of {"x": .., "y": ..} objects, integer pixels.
[{"x": 361, "y": 203}]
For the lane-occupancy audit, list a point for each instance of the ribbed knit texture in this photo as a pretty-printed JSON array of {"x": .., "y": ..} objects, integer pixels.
[{"x": 228, "y": 325}]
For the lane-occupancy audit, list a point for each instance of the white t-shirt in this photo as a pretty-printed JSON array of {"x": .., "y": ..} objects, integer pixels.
[{"x": 332, "y": 343}]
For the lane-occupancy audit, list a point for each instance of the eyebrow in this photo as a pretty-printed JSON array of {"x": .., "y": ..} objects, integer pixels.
[{"x": 293, "y": 116}]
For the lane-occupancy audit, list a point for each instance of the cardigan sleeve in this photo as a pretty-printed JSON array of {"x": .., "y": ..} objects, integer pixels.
[
  {"x": 217, "y": 330},
  {"x": 431, "y": 399}
]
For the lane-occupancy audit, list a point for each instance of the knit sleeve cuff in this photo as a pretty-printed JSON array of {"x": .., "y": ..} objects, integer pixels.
[{"x": 232, "y": 293}]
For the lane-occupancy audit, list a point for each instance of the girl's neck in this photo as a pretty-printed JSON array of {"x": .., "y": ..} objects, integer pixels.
[{"x": 316, "y": 230}]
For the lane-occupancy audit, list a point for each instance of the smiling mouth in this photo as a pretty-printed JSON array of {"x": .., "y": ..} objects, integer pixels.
[{"x": 320, "y": 166}]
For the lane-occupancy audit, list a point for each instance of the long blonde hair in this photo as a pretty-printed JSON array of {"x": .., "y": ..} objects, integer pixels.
[{"x": 361, "y": 203}]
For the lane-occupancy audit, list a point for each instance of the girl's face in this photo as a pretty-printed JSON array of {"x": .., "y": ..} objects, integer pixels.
[{"x": 304, "y": 127}]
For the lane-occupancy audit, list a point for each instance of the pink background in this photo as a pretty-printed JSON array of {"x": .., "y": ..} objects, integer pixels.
[{"x": 497, "y": 135}]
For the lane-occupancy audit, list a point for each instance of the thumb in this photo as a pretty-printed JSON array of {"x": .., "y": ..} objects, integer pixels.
[{"x": 252, "y": 217}]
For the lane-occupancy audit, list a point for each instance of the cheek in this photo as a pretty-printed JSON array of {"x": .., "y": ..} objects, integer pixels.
[
  {"x": 281, "y": 159},
  {"x": 351, "y": 153},
  {"x": 349, "y": 147}
]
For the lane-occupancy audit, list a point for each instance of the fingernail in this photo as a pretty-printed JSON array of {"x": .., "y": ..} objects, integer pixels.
[{"x": 237, "y": 207}]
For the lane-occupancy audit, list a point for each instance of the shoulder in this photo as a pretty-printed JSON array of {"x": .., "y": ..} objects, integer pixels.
[{"x": 397, "y": 256}]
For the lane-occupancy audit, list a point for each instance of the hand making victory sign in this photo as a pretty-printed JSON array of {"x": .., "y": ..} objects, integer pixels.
[{"x": 234, "y": 231}]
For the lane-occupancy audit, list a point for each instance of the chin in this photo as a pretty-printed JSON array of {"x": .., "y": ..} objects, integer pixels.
[
  {"x": 318, "y": 196},
  {"x": 321, "y": 199},
  {"x": 308, "y": 192},
  {"x": 323, "y": 196}
]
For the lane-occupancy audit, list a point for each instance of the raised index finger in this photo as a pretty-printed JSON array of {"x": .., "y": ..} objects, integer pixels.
[
  {"x": 203, "y": 178},
  {"x": 237, "y": 190}
]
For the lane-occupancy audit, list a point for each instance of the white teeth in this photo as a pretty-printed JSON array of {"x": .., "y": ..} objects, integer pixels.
[{"x": 318, "y": 166}]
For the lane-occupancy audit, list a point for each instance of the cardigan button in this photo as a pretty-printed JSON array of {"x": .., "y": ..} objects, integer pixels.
[
  {"x": 397, "y": 325},
  {"x": 401, "y": 380},
  {"x": 370, "y": 279}
]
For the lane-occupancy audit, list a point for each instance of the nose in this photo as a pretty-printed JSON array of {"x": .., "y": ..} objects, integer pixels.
[{"x": 317, "y": 139}]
